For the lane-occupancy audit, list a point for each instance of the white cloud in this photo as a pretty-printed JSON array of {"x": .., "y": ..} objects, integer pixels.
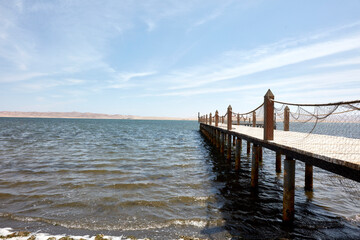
[
  {"x": 202, "y": 75},
  {"x": 340, "y": 62},
  {"x": 124, "y": 77},
  {"x": 302, "y": 83},
  {"x": 21, "y": 77}
]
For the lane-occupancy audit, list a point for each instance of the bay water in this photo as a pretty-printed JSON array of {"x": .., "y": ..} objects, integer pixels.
[{"x": 158, "y": 180}]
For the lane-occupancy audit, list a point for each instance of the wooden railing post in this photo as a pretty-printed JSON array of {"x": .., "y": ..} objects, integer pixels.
[
  {"x": 254, "y": 119},
  {"x": 216, "y": 118},
  {"x": 229, "y": 114},
  {"x": 238, "y": 119},
  {"x": 269, "y": 116},
  {"x": 206, "y": 119},
  {"x": 222, "y": 119},
  {"x": 198, "y": 116},
  {"x": 210, "y": 118},
  {"x": 286, "y": 118}
]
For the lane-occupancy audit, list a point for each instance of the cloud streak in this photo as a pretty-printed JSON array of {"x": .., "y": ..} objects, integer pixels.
[{"x": 196, "y": 78}]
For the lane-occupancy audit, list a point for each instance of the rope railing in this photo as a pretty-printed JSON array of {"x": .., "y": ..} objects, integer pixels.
[
  {"x": 261, "y": 105},
  {"x": 309, "y": 113},
  {"x": 317, "y": 105}
]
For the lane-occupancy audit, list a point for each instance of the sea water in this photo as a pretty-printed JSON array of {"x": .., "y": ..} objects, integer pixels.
[{"x": 154, "y": 179}]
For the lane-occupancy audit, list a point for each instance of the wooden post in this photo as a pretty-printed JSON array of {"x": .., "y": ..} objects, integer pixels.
[
  {"x": 286, "y": 118},
  {"x": 238, "y": 119},
  {"x": 260, "y": 154},
  {"x": 308, "y": 177},
  {"x": 217, "y": 133},
  {"x": 210, "y": 118},
  {"x": 198, "y": 116},
  {"x": 269, "y": 116},
  {"x": 237, "y": 153},
  {"x": 222, "y": 142},
  {"x": 222, "y": 119},
  {"x": 215, "y": 137},
  {"x": 206, "y": 119},
  {"x": 234, "y": 140},
  {"x": 255, "y": 166},
  {"x": 289, "y": 190},
  {"x": 278, "y": 162},
  {"x": 248, "y": 147},
  {"x": 254, "y": 119},
  {"x": 229, "y": 147},
  {"x": 229, "y": 114},
  {"x": 216, "y": 118}
]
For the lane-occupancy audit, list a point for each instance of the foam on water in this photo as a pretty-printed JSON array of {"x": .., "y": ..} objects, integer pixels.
[{"x": 45, "y": 236}]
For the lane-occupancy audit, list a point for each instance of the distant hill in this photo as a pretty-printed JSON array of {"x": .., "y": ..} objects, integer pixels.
[{"x": 86, "y": 115}]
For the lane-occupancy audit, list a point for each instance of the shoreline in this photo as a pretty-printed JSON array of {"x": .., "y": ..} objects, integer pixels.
[{"x": 80, "y": 115}]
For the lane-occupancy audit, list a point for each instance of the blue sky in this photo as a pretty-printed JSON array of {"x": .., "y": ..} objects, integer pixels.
[{"x": 176, "y": 58}]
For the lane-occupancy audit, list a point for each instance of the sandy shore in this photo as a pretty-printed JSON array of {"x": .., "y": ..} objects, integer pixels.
[{"x": 83, "y": 115}]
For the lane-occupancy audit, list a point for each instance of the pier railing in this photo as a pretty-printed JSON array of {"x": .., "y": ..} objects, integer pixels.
[
  {"x": 323, "y": 135},
  {"x": 305, "y": 118}
]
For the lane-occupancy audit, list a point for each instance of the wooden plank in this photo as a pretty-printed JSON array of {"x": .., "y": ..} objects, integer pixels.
[{"x": 340, "y": 155}]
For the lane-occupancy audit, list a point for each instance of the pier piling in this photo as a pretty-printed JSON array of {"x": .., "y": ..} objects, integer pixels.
[
  {"x": 255, "y": 166},
  {"x": 237, "y": 153},
  {"x": 308, "y": 177},
  {"x": 289, "y": 190}
]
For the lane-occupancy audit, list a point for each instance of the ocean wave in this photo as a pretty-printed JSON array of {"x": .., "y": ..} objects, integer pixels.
[{"x": 126, "y": 226}]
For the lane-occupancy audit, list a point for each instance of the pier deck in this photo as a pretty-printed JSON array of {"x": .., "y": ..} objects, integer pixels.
[{"x": 332, "y": 149}]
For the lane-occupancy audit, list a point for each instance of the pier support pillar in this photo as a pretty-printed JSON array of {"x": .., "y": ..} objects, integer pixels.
[
  {"x": 308, "y": 177},
  {"x": 260, "y": 153},
  {"x": 255, "y": 166},
  {"x": 234, "y": 140},
  {"x": 229, "y": 147},
  {"x": 289, "y": 190},
  {"x": 217, "y": 138},
  {"x": 237, "y": 153},
  {"x": 248, "y": 148},
  {"x": 278, "y": 162},
  {"x": 222, "y": 142}
]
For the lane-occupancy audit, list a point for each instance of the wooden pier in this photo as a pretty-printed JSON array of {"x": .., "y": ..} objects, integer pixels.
[{"x": 327, "y": 152}]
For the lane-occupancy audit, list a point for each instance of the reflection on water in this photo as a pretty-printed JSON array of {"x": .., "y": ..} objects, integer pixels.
[{"x": 156, "y": 179}]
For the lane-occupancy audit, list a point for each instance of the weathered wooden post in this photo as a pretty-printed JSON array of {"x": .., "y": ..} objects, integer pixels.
[
  {"x": 222, "y": 119},
  {"x": 248, "y": 147},
  {"x": 286, "y": 128},
  {"x": 255, "y": 166},
  {"x": 228, "y": 156},
  {"x": 254, "y": 119},
  {"x": 286, "y": 118},
  {"x": 269, "y": 116},
  {"x": 238, "y": 119},
  {"x": 216, "y": 118},
  {"x": 237, "y": 153},
  {"x": 229, "y": 126},
  {"x": 210, "y": 118},
  {"x": 289, "y": 190},
  {"x": 234, "y": 140},
  {"x": 278, "y": 162},
  {"x": 308, "y": 177},
  {"x": 217, "y": 138},
  {"x": 198, "y": 116},
  {"x": 222, "y": 142},
  {"x": 206, "y": 119},
  {"x": 229, "y": 114}
]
